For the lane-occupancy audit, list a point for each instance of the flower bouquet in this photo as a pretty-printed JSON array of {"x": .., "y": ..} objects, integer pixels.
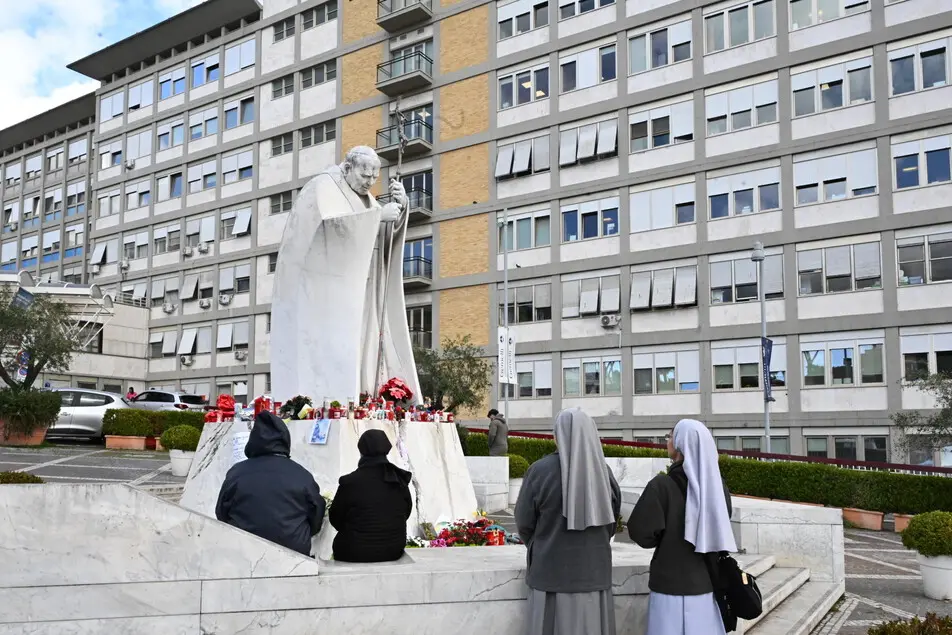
[
  {"x": 396, "y": 391},
  {"x": 291, "y": 409}
]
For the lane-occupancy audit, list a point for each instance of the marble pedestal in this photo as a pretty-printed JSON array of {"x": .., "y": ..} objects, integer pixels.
[
  {"x": 490, "y": 476},
  {"x": 441, "y": 486}
]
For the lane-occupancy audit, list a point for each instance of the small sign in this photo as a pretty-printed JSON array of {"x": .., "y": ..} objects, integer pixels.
[
  {"x": 238, "y": 446},
  {"x": 22, "y": 299},
  {"x": 506, "y": 356},
  {"x": 23, "y": 358},
  {"x": 319, "y": 432},
  {"x": 766, "y": 346},
  {"x": 21, "y": 371}
]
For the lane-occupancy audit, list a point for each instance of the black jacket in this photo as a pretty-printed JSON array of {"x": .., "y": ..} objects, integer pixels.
[
  {"x": 370, "y": 513},
  {"x": 269, "y": 495}
]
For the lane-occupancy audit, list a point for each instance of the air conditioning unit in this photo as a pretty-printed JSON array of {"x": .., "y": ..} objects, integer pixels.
[
  {"x": 124, "y": 265},
  {"x": 241, "y": 355},
  {"x": 95, "y": 269},
  {"x": 14, "y": 225},
  {"x": 187, "y": 251},
  {"x": 610, "y": 321},
  {"x": 168, "y": 307},
  {"x": 186, "y": 360},
  {"x": 130, "y": 165},
  {"x": 224, "y": 299},
  {"x": 203, "y": 248},
  {"x": 204, "y": 303}
]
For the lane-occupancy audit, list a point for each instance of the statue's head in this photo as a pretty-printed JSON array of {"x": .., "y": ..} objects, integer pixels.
[{"x": 361, "y": 169}]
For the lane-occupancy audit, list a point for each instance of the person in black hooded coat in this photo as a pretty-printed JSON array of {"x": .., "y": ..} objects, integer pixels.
[
  {"x": 372, "y": 505},
  {"x": 269, "y": 495}
]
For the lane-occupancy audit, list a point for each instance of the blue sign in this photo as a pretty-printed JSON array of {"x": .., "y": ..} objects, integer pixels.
[
  {"x": 23, "y": 358},
  {"x": 766, "y": 346},
  {"x": 23, "y": 299}
]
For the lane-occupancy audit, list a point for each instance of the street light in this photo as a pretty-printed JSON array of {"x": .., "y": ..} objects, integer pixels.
[
  {"x": 504, "y": 225},
  {"x": 757, "y": 256}
]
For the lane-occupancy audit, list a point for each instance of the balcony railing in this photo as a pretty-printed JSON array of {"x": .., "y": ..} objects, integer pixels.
[
  {"x": 421, "y": 339},
  {"x": 421, "y": 200},
  {"x": 418, "y": 135},
  {"x": 397, "y": 15},
  {"x": 405, "y": 73},
  {"x": 417, "y": 268}
]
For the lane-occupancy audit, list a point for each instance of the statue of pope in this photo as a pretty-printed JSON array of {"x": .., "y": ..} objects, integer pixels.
[{"x": 338, "y": 317}]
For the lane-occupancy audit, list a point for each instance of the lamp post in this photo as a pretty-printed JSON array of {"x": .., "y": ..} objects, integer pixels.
[
  {"x": 504, "y": 224},
  {"x": 757, "y": 256}
]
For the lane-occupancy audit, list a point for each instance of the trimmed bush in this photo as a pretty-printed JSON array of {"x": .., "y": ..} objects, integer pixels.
[
  {"x": 183, "y": 438},
  {"x": 932, "y": 625},
  {"x": 127, "y": 423},
  {"x": 517, "y": 466},
  {"x": 172, "y": 418},
  {"x": 930, "y": 534},
  {"x": 18, "y": 478},
  {"x": 25, "y": 411},
  {"x": 463, "y": 433}
]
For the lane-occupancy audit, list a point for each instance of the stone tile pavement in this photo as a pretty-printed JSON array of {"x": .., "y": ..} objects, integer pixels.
[{"x": 81, "y": 462}]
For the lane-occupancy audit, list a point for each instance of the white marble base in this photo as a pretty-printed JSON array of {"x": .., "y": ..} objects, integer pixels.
[
  {"x": 632, "y": 476},
  {"x": 441, "y": 487},
  {"x": 490, "y": 477},
  {"x": 515, "y": 486}
]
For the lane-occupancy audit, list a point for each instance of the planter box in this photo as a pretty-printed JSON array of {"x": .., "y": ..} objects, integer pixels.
[
  {"x": 125, "y": 443},
  {"x": 515, "y": 486},
  {"x": 901, "y": 522},
  {"x": 37, "y": 438},
  {"x": 936, "y": 577},
  {"x": 863, "y": 519}
]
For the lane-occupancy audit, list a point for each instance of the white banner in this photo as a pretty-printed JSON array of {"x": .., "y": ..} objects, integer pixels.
[
  {"x": 505, "y": 356},
  {"x": 511, "y": 354}
]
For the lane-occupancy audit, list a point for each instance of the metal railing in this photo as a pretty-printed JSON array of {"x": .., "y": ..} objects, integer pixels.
[
  {"x": 421, "y": 339},
  {"x": 418, "y": 197},
  {"x": 413, "y": 129},
  {"x": 386, "y": 7},
  {"x": 399, "y": 66},
  {"x": 127, "y": 298},
  {"x": 417, "y": 268}
]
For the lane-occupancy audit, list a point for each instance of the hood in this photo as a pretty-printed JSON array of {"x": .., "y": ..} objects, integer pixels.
[
  {"x": 499, "y": 418},
  {"x": 269, "y": 436}
]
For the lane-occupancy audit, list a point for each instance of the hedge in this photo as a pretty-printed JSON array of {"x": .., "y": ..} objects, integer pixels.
[
  {"x": 127, "y": 423},
  {"x": 932, "y": 625},
  {"x": 183, "y": 438},
  {"x": 159, "y": 420},
  {"x": 784, "y": 480},
  {"x": 17, "y": 478},
  {"x": 517, "y": 466}
]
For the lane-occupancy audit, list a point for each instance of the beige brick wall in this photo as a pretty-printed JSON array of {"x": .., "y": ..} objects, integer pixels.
[
  {"x": 464, "y": 246},
  {"x": 359, "y": 19},
  {"x": 465, "y": 311},
  {"x": 464, "y": 108},
  {"x": 464, "y": 39},
  {"x": 464, "y": 176},
  {"x": 359, "y": 73},
  {"x": 360, "y": 129}
]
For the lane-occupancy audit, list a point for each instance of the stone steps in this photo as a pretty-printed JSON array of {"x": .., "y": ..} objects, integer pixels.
[
  {"x": 777, "y": 584},
  {"x": 170, "y": 493},
  {"x": 800, "y": 613}
]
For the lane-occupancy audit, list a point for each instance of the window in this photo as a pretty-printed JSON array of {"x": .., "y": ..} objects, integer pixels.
[
  {"x": 533, "y": 380},
  {"x": 235, "y": 224},
  {"x": 53, "y": 205},
  {"x": 282, "y": 87},
  {"x": 205, "y": 71},
  {"x": 662, "y": 208},
  {"x": 283, "y": 29},
  {"x": 926, "y": 354},
  {"x": 11, "y": 174},
  {"x": 591, "y": 377},
  {"x": 588, "y": 297},
  {"x": 319, "y": 74},
  {"x": 832, "y": 87},
  {"x": 588, "y": 68},
  {"x": 75, "y": 239},
  {"x": 527, "y": 303},
  {"x": 162, "y": 344},
  {"x": 111, "y": 106},
  {"x": 109, "y": 204},
  {"x": 237, "y": 167},
  {"x": 166, "y": 239},
  {"x": 578, "y": 7},
  {"x": 835, "y": 178},
  {"x": 203, "y": 124},
  {"x": 521, "y": 17},
  {"x": 319, "y": 15},
  {"x": 804, "y": 13},
  {"x": 739, "y": 25},
  {"x": 844, "y": 448},
  {"x": 170, "y": 134},
  {"x": 320, "y": 133},
  {"x": 281, "y": 202},
  {"x": 662, "y": 126},
  {"x": 203, "y": 176},
  {"x": 51, "y": 245},
  {"x": 234, "y": 279},
  {"x": 925, "y": 259},
  {"x": 141, "y": 95},
  {"x": 736, "y": 280},
  {"x": 919, "y": 67},
  {"x": 239, "y": 57},
  {"x": 413, "y": 58},
  {"x": 524, "y": 86},
  {"x": 135, "y": 246},
  {"x": 657, "y": 373},
  {"x": 744, "y": 193},
  {"x": 932, "y": 153},
  {"x": 529, "y": 231},
  {"x": 76, "y": 198},
  {"x": 520, "y": 158},
  {"x": 739, "y": 367},
  {"x": 76, "y": 153},
  {"x": 138, "y": 195},
  {"x": 170, "y": 186},
  {"x": 283, "y": 144},
  {"x": 663, "y": 288},
  {"x": 839, "y": 269},
  {"x": 591, "y": 219},
  {"x": 272, "y": 263},
  {"x": 110, "y": 154},
  {"x": 833, "y": 364},
  {"x": 172, "y": 83},
  {"x": 54, "y": 159},
  {"x": 659, "y": 48},
  {"x": 420, "y": 323},
  {"x": 741, "y": 108},
  {"x": 239, "y": 113},
  {"x": 232, "y": 337},
  {"x": 589, "y": 142}
]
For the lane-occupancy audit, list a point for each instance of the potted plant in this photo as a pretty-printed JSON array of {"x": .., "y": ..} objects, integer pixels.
[
  {"x": 517, "y": 470},
  {"x": 336, "y": 411},
  {"x": 181, "y": 442},
  {"x": 25, "y": 415},
  {"x": 930, "y": 534},
  {"x": 126, "y": 429}
]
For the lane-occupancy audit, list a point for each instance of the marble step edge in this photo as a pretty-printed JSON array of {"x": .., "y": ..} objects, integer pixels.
[
  {"x": 776, "y": 585},
  {"x": 162, "y": 490},
  {"x": 760, "y": 566},
  {"x": 803, "y": 611}
]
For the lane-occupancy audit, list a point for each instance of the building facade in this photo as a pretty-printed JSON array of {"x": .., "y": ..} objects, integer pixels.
[{"x": 820, "y": 127}]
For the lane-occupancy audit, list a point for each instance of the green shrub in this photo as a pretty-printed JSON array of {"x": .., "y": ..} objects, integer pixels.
[
  {"x": 932, "y": 625},
  {"x": 25, "y": 411},
  {"x": 183, "y": 438},
  {"x": 517, "y": 466},
  {"x": 17, "y": 478},
  {"x": 930, "y": 534},
  {"x": 463, "y": 433},
  {"x": 193, "y": 418},
  {"x": 127, "y": 423}
]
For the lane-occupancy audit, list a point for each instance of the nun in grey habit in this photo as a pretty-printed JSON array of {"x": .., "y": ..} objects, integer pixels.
[
  {"x": 684, "y": 532},
  {"x": 566, "y": 515}
]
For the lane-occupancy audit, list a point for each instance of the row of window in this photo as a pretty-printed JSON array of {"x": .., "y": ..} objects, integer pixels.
[
  {"x": 231, "y": 336},
  {"x": 73, "y": 152}
]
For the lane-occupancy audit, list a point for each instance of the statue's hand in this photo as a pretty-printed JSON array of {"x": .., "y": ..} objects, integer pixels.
[
  {"x": 398, "y": 193},
  {"x": 389, "y": 213}
]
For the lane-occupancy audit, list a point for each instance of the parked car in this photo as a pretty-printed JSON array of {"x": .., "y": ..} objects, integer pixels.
[
  {"x": 82, "y": 411},
  {"x": 164, "y": 400}
]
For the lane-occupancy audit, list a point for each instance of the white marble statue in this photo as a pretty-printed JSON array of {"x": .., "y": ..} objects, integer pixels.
[{"x": 339, "y": 278}]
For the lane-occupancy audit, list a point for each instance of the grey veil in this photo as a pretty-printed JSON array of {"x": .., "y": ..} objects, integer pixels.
[{"x": 586, "y": 489}]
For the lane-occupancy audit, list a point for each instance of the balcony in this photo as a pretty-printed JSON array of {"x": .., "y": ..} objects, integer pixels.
[
  {"x": 421, "y": 204},
  {"x": 417, "y": 135},
  {"x": 405, "y": 74},
  {"x": 397, "y": 15},
  {"x": 417, "y": 273},
  {"x": 421, "y": 339}
]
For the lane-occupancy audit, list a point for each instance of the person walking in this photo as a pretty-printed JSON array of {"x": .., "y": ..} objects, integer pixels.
[
  {"x": 498, "y": 434},
  {"x": 566, "y": 514},
  {"x": 684, "y": 516},
  {"x": 372, "y": 505}
]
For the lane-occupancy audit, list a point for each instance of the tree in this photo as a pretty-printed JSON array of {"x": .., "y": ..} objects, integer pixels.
[
  {"x": 42, "y": 330},
  {"x": 455, "y": 375},
  {"x": 933, "y": 429}
]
